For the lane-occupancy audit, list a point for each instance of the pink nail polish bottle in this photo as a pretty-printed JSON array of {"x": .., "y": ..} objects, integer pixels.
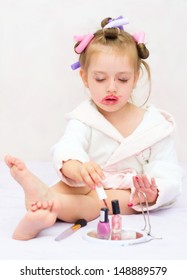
[
  {"x": 103, "y": 227},
  {"x": 116, "y": 218}
]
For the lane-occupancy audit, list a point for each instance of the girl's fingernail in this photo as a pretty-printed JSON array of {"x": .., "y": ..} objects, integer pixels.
[
  {"x": 130, "y": 204},
  {"x": 137, "y": 178}
]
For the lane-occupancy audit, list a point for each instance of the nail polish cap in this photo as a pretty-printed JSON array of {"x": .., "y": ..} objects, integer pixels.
[
  {"x": 115, "y": 207},
  {"x": 104, "y": 215},
  {"x": 101, "y": 193}
]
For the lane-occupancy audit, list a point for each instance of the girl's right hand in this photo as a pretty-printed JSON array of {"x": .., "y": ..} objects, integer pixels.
[{"x": 91, "y": 174}]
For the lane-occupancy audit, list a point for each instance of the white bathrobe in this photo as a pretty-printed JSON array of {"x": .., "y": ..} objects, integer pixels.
[{"x": 148, "y": 150}]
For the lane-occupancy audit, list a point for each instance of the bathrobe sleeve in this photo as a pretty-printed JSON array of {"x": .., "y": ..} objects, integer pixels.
[
  {"x": 164, "y": 167},
  {"x": 73, "y": 145}
]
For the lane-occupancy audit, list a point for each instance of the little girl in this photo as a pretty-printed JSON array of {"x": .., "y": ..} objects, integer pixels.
[{"x": 108, "y": 141}]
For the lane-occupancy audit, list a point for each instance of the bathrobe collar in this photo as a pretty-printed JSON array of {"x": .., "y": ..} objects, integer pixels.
[
  {"x": 156, "y": 125},
  {"x": 87, "y": 113}
]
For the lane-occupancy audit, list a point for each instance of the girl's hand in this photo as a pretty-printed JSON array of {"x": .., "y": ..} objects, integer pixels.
[
  {"x": 142, "y": 184},
  {"x": 91, "y": 174},
  {"x": 88, "y": 173}
]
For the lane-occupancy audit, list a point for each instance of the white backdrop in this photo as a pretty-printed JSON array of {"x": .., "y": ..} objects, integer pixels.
[{"x": 37, "y": 86}]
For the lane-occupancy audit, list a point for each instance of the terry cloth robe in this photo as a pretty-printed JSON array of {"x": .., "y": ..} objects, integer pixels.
[{"x": 149, "y": 150}]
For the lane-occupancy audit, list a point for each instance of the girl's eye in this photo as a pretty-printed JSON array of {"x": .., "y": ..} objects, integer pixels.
[
  {"x": 99, "y": 80},
  {"x": 123, "y": 80}
]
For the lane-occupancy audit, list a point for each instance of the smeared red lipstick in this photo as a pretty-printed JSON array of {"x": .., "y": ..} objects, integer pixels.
[{"x": 110, "y": 100}]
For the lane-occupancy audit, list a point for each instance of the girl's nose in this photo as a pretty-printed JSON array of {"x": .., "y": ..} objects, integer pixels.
[{"x": 111, "y": 85}]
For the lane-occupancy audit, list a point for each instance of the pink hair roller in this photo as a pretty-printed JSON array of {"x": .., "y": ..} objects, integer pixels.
[
  {"x": 78, "y": 38},
  {"x": 139, "y": 37},
  {"x": 86, "y": 40}
]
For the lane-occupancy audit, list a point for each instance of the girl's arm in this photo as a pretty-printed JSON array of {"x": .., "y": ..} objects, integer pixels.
[
  {"x": 71, "y": 159},
  {"x": 72, "y": 146},
  {"x": 164, "y": 168}
]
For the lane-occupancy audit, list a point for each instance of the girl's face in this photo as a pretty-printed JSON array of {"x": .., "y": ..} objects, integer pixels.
[{"x": 110, "y": 78}]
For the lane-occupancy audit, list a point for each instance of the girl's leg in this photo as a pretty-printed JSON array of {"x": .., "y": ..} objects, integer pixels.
[
  {"x": 69, "y": 208},
  {"x": 61, "y": 187},
  {"x": 50, "y": 204},
  {"x": 45, "y": 204},
  {"x": 37, "y": 193},
  {"x": 35, "y": 190},
  {"x": 33, "y": 222}
]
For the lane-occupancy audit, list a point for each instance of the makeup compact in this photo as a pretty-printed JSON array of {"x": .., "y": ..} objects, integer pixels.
[{"x": 118, "y": 235}]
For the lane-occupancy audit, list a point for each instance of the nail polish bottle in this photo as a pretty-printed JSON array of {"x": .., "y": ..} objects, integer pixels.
[
  {"x": 116, "y": 218},
  {"x": 103, "y": 227}
]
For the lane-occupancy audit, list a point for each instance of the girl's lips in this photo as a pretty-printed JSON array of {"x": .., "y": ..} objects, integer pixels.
[{"x": 110, "y": 100}]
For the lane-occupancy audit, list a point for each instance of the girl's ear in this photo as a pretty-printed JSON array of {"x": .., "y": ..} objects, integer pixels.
[{"x": 83, "y": 77}]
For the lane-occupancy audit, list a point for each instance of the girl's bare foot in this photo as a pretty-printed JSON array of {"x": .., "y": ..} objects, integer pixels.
[
  {"x": 35, "y": 190},
  {"x": 142, "y": 184},
  {"x": 33, "y": 222},
  {"x": 41, "y": 205}
]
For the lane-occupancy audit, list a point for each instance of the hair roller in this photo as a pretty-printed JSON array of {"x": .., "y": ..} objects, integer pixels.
[
  {"x": 105, "y": 21},
  {"x": 142, "y": 51}
]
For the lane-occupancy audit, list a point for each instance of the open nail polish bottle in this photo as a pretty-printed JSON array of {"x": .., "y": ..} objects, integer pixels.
[
  {"x": 103, "y": 227},
  {"x": 116, "y": 218}
]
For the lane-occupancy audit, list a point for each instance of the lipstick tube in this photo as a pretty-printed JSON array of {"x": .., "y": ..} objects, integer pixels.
[{"x": 103, "y": 227}]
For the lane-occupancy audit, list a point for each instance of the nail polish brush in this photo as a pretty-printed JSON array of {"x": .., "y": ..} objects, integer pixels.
[
  {"x": 102, "y": 195},
  {"x": 78, "y": 224}
]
